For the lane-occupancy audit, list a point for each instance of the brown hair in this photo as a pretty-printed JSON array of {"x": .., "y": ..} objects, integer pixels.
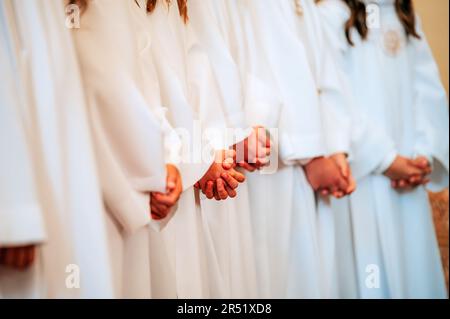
[
  {"x": 357, "y": 20},
  {"x": 82, "y": 4},
  {"x": 182, "y": 7},
  {"x": 151, "y": 5}
]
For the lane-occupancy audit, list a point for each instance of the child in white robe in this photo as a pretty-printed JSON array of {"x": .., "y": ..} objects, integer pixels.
[
  {"x": 396, "y": 85},
  {"x": 219, "y": 231},
  {"x": 335, "y": 101},
  {"x": 22, "y": 224},
  {"x": 270, "y": 62},
  {"x": 51, "y": 109},
  {"x": 133, "y": 139}
]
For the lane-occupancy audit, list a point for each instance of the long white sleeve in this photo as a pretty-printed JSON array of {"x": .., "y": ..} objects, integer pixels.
[
  {"x": 21, "y": 219},
  {"x": 187, "y": 89},
  {"x": 333, "y": 96},
  {"x": 128, "y": 134},
  {"x": 209, "y": 35},
  {"x": 300, "y": 128},
  {"x": 372, "y": 149},
  {"x": 431, "y": 113}
]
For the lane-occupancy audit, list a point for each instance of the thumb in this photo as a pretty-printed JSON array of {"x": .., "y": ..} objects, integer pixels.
[
  {"x": 351, "y": 185},
  {"x": 413, "y": 168},
  {"x": 171, "y": 181},
  {"x": 344, "y": 169},
  {"x": 421, "y": 162},
  {"x": 342, "y": 163}
]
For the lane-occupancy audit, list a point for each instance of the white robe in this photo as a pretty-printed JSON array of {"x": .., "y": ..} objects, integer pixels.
[
  {"x": 131, "y": 133},
  {"x": 219, "y": 234},
  {"x": 53, "y": 116},
  {"x": 278, "y": 82},
  {"x": 395, "y": 83},
  {"x": 347, "y": 131},
  {"x": 335, "y": 121},
  {"x": 21, "y": 215}
]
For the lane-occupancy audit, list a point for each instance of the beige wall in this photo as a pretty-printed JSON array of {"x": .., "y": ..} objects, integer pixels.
[{"x": 435, "y": 21}]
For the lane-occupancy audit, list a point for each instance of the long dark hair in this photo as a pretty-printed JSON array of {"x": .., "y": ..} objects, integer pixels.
[
  {"x": 357, "y": 20},
  {"x": 151, "y": 5}
]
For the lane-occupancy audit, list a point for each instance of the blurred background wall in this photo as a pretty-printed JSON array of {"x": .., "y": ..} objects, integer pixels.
[{"x": 435, "y": 20}]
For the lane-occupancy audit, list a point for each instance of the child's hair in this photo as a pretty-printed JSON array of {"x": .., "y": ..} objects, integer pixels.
[
  {"x": 182, "y": 7},
  {"x": 82, "y": 4},
  {"x": 357, "y": 20},
  {"x": 151, "y": 4}
]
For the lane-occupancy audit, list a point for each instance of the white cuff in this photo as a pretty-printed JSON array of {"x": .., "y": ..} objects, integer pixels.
[
  {"x": 22, "y": 225},
  {"x": 386, "y": 163}
]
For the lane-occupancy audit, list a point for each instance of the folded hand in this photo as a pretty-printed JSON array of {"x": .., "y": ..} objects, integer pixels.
[
  {"x": 253, "y": 153},
  {"x": 19, "y": 258},
  {"x": 221, "y": 180},
  {"x": 325, "y": 177},
  {"x": 160, "y": 203},
  {"x": 406, "y": 173}
]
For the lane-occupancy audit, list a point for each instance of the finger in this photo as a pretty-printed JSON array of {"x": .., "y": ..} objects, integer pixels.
[
  {"x": 168, "y": 200},
  {"x": 351, "y": 186},
  {"x": 216, "y": 193},
  {"x": 228, "y": 164},
  {"x": 260, "y": 162},
  {"x": 237, "y": 176},
  {"x": 413, "y": 170},
  {"x": 262, "y": 152},
  {"x": 231, "y": 192},
  {"x": 31, "y": 255},
  {"x": 172, "y": 178},
  {"x": 247, "y": 167},
  {"x": 156, "y": 210},
  {"x": 171, "y": 185},
  {"x": 20, "y": 259},
  {"x": 394, "y": 184},
  {"x": 342, "y": 164},
  {"x": 9, "y": 257},
  {"x": 345, "y": 170},
  {"x": 2, "y": 254},
  {"x": 421, "y": 162},
  {"x": 229, "y": 155},
  {"x": 324, "y": 192},
  {"x": 209, "y": 193},
  {"x": 415, "y": 180},
  {"x": 338, "y": 194},
  {"x": 221, "y": 189},
  {"x": 156, "y": 215},
  {"x": 231, "y": 182},
  {"x": 161, "y": 206},
  {"x": 342, "y": 184},
  {"x": 333, "y": 189},
  {"x": 171, "y": 199},
  {"x": 263, "y": 137},
  {"x": 402, "y": 183}
]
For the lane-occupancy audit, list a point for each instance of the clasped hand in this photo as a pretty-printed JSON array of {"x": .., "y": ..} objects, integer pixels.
[
  {"x": 222, "y": 179},
  {"x": 406, "y": 173},
  {"x": 331, "y": 176}
]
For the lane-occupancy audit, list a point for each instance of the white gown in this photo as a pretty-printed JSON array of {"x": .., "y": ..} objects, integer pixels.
[
  {"x": 219, "y": 232},
  {"x": 130, "y": 130},
  {"x": 300, "y": 17},
  {"x": 21, "y": 217},
  {"x": 277, "y": 80},
  {"x": 52, "y": 113},
  {"x": 392, "y": 231}
]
